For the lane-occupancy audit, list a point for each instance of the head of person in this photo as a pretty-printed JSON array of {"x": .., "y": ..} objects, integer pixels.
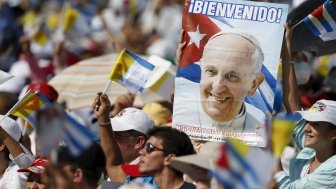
[
  {"x": 7, "y": 101},
  {"x": 320, "y": 130},
  {"x": 230, "y": 70},
  {"x": 197, "y": 166},
  {"x": 130, "y": 128},
  {"x": 85, "y": 169},
  {"x": 35, "y": 171},
  {"x": 163, "y": 144}
]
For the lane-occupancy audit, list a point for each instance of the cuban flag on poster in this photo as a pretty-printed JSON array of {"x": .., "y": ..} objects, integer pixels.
[{"x": 226, "y": 113}]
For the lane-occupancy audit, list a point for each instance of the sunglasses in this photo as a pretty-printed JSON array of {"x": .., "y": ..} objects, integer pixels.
[{"x": 151, "y": 148}]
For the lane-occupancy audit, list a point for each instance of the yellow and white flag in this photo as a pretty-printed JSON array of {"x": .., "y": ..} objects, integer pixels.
[{"x": 131, "y": 71}]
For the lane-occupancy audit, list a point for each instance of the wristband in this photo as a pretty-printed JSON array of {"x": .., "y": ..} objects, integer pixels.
[
  {"x": 104, "y": 124},
  {"x": 287, "y": 61}
]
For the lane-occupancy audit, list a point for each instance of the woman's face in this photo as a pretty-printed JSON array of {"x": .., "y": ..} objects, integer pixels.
[{"x": 318, "y": 135}]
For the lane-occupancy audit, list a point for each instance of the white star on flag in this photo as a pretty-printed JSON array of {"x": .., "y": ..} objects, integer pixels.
[{"x": 196, "y": 37}]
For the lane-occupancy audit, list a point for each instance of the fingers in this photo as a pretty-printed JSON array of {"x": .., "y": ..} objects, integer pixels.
[
  {"x": 97, "y": 101},
  {"x": 103, "y": 99},
  {"x": 129, "y": 98}
]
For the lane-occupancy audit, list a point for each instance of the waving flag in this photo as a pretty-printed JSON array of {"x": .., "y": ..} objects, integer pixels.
[
  {"x": 282, "y": 130},
  {"x": 322, "y": 21},
  {"x": 135, "y": 6},
  {"x": 238, "y": 168},
  {"x": 28, "y": 105},
  {"x": 131, "y": 71},
  {"x": 4, "y": 76},
  {"x": 40, "y": 37},
  {"x": 70, "y": 17},
  {"x": 77, "y": 136},
  {"x": 56, "y": 126},
  {"x": 160, "y": 84}
]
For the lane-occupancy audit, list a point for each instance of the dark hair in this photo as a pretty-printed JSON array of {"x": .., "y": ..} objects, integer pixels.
[
  {"x": 9, "y": 100},
  {"x": 34, "y": 177},
  {"x": 173, "y": 142},
  {"x": 91, "y": 161}
]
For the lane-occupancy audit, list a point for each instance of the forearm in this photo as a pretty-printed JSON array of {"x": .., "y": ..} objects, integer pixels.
[
  {"x": 12, "y": 145},
  {"x": 112, "y": 151},
  {"x": 291, "y": 97},
  {"x": 109, "y": 142}
]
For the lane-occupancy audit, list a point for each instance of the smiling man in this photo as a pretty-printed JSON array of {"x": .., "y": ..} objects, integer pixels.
[{"x": 230, "y": 71}]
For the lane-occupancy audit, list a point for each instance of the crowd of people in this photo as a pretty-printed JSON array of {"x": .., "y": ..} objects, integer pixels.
[{"x": 136, "y": 147}]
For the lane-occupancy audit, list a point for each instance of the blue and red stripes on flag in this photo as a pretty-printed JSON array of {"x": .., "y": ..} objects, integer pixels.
[
  {"x": 322, "y": 20},
  {"x": 237, "y": 167},
  {"x": 232, "y": 164}
]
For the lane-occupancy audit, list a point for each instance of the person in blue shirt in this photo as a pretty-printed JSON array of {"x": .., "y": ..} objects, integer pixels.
[{"x": 315, "y": 135}]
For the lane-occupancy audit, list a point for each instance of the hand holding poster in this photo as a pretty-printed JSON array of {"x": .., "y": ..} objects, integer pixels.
[{"x": 226, "y": 78}]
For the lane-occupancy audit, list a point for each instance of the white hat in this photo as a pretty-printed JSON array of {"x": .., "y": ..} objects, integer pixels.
[
  {"x": 132, "y": 118},
  {"x": 186, "y": 164},
  {"x": 11, "y": 127},
  {"x": 322, "y": 110}
]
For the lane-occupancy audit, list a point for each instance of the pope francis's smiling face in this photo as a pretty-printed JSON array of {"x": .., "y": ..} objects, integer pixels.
[{"x": 228, "y": 75}]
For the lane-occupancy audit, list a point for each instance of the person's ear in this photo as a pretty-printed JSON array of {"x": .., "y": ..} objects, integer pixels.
[
  {"x": 140, "y": 142},
  {"x": 259, "y": 78},
  {"x": 333, "y": 135},
  {"x": 78, "y": 176},
  {"x": 168, "y": 159}
]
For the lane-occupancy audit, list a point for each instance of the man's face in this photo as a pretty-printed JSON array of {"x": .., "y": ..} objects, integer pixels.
[
  {"x": 127, "y": 143},
  {"x": 152, "y": 157},
  {"x": 227, "y": 76}
]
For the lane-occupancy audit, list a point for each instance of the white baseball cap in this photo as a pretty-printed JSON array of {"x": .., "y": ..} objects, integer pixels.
[
  {"x": 322, "y": 110},
  {"x": 132, "y": 118},
  {"x": 11, "y": 127}
]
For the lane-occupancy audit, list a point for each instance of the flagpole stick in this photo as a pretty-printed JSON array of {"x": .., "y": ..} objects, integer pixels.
[
  {"x": 25, "y": 125},
  {"x": 61, "y": 23},
  {"x": 297, "y": 24},
  {"x": 107, "y": 86}
]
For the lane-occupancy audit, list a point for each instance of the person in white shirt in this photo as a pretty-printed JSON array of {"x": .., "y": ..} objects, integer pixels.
[{"x": 12, "y": 155}]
